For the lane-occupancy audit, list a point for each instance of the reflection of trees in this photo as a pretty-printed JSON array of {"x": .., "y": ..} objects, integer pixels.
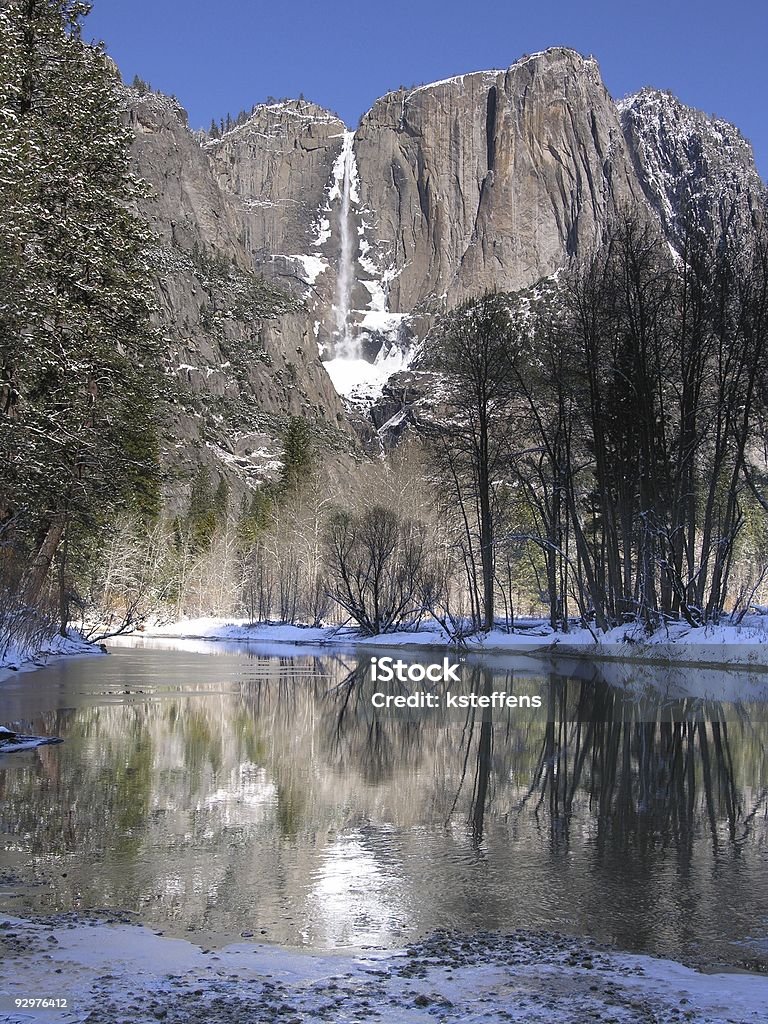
[
  {"x": 647, "y": 770},
  {"x": 483, "y": 762},
  {"x": 210, "y": 795},
  {"x": 646, "y": 778},
  {"x": 362, "y": 738}
]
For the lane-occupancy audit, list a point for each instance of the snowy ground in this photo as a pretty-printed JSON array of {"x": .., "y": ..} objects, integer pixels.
[
  {"x": 117, "y": 972},
  {"x": 744, "y": 644},
  {"x": 18, "y": 659}
]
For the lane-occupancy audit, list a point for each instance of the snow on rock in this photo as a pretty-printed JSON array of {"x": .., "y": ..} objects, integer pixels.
[
  {"x": 689, "y": 160},
  {"x": 323, "y": 231},
  {"x": 363, "y": 382},
  {"x": 254, "y": 461},
  {"x": 313, "y": 266},
  {"x": 458, "y": 80}
]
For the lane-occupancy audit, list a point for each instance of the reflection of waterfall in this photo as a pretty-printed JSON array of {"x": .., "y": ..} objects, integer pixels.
[{"x": 347, "y": 346}]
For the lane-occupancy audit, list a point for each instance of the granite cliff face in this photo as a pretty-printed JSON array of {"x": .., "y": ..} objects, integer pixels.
[
  {"x": 274, "y": 170},
  {"x": 489, "y": 180},
  {"x": 239, "y": 352},
  {"x": 493, "y": 179},
  {"x": 686, "y": 161},
  {"x": 496, "y": 179}
]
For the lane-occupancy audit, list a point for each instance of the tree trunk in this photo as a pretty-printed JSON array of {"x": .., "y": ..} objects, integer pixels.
[{"x": 37, "y": 573}]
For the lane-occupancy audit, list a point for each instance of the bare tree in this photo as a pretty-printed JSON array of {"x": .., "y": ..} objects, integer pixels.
[
  {"x": 376, "y": 566},
  {"x": 473, "y": 352}
]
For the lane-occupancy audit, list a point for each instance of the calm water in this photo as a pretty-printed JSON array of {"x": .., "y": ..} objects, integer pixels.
[{"x": 231, "y": 791}]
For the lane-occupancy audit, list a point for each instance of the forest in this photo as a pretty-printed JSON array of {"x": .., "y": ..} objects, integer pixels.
[{"x": 592, "y": 450}]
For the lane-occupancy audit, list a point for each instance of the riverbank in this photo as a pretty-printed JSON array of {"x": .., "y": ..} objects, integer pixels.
[
  {"x": 743, "y": 644},
  {"x": 124, "y": 972},
  {"x": 23, "y": 659}
]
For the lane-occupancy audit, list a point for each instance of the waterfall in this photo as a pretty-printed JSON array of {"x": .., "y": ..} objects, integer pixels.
[
  {"x": 346, "y": 183},
  {"x": 351, "y": 373}
]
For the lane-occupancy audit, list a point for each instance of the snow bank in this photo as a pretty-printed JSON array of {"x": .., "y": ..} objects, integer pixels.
[
  {"x": 21, "y": 659},
  {"x": 357, "y": 378},
  {"x": 313, "y": 266},
  {"x": 745, "y": 644}
]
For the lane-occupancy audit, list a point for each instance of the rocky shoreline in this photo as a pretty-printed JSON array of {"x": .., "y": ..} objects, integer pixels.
[{"x": 117, "y": 972}]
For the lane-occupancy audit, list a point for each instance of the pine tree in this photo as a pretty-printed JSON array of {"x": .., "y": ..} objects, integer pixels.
[
  {"x": 297, "y": 453},
  {"x": 140, "y": 85},
  {"x": 254, "y": 517},
  {"x": 221, "y": 502},
  {"x": 77, "y": 352},
  {"x": 208, "y": 508}
]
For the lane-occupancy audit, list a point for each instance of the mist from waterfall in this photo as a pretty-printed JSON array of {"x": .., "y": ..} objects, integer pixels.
[{"x": 347, "y": 346}]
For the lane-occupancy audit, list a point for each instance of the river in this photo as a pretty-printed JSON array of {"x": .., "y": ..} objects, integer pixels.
[{"x": 221, "y": 790}]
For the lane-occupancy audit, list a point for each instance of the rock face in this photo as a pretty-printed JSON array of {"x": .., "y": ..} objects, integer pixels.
[
  {"x": 185, "y": 207},
  {"x": 688, "y": 161},
  {"x": 238, "y": 350},
  {"x": 489, "y": 180},
  {"x": 275, "y": 170},
  {"x": 495, "y": 179}
]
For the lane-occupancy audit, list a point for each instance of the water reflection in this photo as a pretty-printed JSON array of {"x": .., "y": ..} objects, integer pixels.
[{"x": 267, "y": 794}]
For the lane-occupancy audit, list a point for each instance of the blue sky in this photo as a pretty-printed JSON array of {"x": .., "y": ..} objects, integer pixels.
[{"x": 221, "y": 56}]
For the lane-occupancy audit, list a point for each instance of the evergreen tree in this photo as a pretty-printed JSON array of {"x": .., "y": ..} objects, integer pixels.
[
  {"x": 201, "y": 516},
  {"x": 140, "y": 85},
  {"x": 254, "y": 517},
  {"x": 77, "y": 353},
  {"x": 297, "y": 453},
  {"x": 221, "y": 502}
]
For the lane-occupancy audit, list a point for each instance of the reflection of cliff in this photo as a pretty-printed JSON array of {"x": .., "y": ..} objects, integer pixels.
[{"x": 273, "y": 796}]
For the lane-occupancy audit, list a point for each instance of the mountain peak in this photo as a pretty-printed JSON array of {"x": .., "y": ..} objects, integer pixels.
[{"x": 689, "y": 161}]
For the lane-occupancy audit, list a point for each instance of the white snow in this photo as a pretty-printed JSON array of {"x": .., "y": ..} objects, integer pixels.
[
  {"x": 261, "y": 461},
  {"x": 364, "y": 380},
  {"x": 382, "y": 321},
  {"x": 378, "y": 303},
  {"x": 255, "y": 204},
  {"x": 323, "y": 231},
  {"x": 348, "y": 374},
  {"x": 19, "y": 658},
  {"x": 345, "y": 173},
  {"x": 745, "y": 644},
  {"x": 313, "y": 266},
  {"x": 727, "y": 663},
  {"x": 490, "y": 73},
  {"x": 25, "y": 743},
  {"x": 129, "y": 972},
  {"x": 457, "y": 79}
]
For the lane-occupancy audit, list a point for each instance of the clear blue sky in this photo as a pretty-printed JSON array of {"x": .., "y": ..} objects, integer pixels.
[{"x": 221, "y": 56}]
